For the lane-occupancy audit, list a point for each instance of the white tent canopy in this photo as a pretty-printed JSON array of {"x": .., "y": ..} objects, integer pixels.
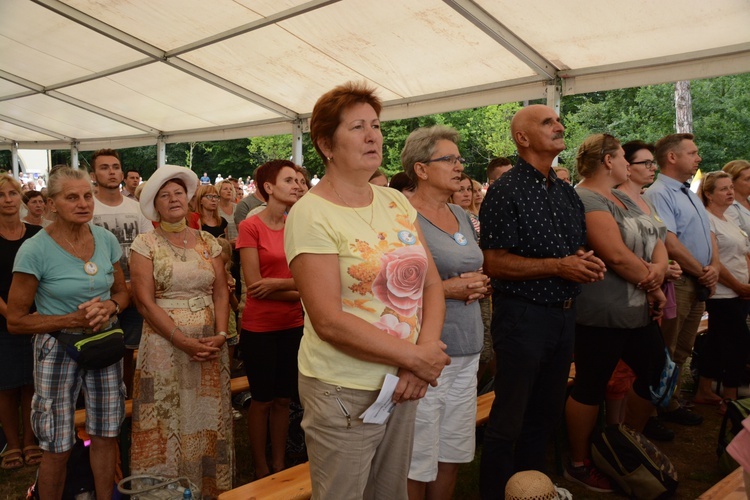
[{"x": 104, "y": 73}]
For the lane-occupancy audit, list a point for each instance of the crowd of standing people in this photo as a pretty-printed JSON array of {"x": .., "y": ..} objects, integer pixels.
[{"x": 352, "y": 284}]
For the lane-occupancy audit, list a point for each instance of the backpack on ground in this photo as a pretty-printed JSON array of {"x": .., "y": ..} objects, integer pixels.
[
  {"x": 737, "y": 411},
  {"x": 634, "y": 463}
]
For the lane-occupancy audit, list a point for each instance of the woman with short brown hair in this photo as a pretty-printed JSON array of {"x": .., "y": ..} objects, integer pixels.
[{"x": 373, "y": 301}]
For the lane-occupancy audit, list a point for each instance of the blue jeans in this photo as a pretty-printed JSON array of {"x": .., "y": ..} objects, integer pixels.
[{"x": 534, "y": 349}]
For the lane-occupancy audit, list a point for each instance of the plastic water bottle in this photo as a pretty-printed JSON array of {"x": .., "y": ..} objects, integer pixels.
[{"x": 187, "y": 494}]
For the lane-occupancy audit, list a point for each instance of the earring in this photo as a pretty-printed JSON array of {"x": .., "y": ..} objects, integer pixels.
[{"x": 329, "y": 158}]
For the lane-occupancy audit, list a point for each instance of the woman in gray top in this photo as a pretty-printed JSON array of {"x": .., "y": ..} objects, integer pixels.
[
  {"x": 445, "y": 424},
  {"x": 615, "y": 317}
]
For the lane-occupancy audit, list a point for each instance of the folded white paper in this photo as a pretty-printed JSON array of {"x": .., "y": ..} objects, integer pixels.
[{"x": 381, "y": 409}]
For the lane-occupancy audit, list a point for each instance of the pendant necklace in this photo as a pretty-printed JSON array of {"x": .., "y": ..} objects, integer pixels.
[
  {"x": 372, "y": 212},
  {"x": 458, "y": 236},
  {"x": 182, "y": 256},
  {"x": 89, "y": 267}
]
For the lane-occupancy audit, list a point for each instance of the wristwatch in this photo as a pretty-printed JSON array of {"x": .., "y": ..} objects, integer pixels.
[
  {"x": 223, "y": 334},
  {"x": 117, "y": 306}
]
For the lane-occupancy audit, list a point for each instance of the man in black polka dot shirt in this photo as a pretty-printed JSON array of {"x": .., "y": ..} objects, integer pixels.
[{"x": 533, "y": 232}]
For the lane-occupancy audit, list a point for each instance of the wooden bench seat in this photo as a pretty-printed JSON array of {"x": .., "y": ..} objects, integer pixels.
[
  {"x": 290, "y": 484},
  {"x": 731, "y": 487}
]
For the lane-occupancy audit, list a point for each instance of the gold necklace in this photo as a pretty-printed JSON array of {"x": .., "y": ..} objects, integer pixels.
[
  {"x": 181, "y": 256},
  {"x": 372, "y": 208},
  {"x": 89, "y": 267}
]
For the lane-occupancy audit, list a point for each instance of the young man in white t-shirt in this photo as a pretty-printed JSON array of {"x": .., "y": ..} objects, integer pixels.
[{"x": 123, "y": 217}]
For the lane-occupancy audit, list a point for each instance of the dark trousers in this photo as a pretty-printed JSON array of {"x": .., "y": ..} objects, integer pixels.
[
  {"x": 598, "y": 349},
  {"x": 534, "y": 349},
  {"x": 728, "y": 342}
]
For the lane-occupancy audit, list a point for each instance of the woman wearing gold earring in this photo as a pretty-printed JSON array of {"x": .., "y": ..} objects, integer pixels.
[{"x": 374, "y": 306}]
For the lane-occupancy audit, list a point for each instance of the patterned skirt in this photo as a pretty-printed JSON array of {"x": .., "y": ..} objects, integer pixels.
[{"x": 182, "y": 414}]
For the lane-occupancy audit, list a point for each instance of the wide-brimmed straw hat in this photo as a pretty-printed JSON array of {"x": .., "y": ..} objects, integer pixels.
[{"x": 156, "y": 181}]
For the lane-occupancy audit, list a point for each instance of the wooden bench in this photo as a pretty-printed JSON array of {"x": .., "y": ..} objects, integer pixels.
[
  {"x": 290, "y": 484},
  {"x": 731, "y": 487},
  {"x": 294, "y": 482},
  {"x": 484, "y": 405}
]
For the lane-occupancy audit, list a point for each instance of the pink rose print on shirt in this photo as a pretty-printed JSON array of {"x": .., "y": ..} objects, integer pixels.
[
  {"x": 399, "y": 283},
  {"x": 391, "y": 325}
]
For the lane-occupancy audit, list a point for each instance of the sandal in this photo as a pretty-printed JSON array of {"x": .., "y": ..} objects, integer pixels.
[
  {"x": 12, "y": 459},
  {"x": 32, "y": 455}
]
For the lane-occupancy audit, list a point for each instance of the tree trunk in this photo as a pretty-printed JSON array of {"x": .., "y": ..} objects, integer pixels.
[{"x": 683, "y": 103}]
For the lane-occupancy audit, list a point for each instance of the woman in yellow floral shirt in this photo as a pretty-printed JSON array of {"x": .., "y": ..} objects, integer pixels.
[{"x": 374, "y": 306}]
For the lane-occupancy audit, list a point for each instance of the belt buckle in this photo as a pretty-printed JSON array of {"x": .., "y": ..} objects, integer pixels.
[
  {"x": 196, "y": 304},
  {"x": 567, "y": 304}
]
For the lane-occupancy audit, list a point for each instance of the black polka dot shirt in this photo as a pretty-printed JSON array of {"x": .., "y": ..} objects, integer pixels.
[{"x": 521, "y": 213}]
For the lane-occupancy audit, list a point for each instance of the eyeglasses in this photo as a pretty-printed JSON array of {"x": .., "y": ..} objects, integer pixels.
[
  {"x": 452, "y": 159},
  {"x": 645, "y": 163},
  {"x": 211, "y": 197}
]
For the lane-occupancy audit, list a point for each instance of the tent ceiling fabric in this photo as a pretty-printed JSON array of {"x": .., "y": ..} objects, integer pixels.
[{"x": 103, "y": 73}]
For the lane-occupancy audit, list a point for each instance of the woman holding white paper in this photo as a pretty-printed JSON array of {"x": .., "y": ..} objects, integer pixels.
[{"x": 373, "y": 302}]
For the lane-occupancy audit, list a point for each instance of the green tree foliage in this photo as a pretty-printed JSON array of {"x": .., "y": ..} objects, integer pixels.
[
  {"x": 720, "y": 119},
  {"x": 485, "y": 134},
  {"x": 263, "y": 149}
]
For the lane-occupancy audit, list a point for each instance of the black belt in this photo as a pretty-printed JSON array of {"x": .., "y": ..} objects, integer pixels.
[{"x": 565, "y": 304}]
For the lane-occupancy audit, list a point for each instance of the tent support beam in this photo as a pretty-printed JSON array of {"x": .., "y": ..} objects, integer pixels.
[
  {"x": 159, "y": 55},
  {"x": 74, "y": 161},
  {"x": 161, "y": 151},
  {"x": 297, "y": 157},
  {"x": 14, "y": 158},
  {"x": 502, "y": 35},
  {"x": 553, "y": 101}
]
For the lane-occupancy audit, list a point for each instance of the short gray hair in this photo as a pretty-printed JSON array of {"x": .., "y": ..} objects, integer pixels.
[
  {"x": 420, "y": 146},
  {"x": 60, "y": 175}
]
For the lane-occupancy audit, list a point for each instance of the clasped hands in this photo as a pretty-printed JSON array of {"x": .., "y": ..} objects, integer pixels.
[
  {"x": 427, "y": 364},
  {"x": 93, "y": 314},
  {"x": 205, "y": 349},
  {"x": 581, "y": 267},
  {"x": 468, "y": 287}
]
